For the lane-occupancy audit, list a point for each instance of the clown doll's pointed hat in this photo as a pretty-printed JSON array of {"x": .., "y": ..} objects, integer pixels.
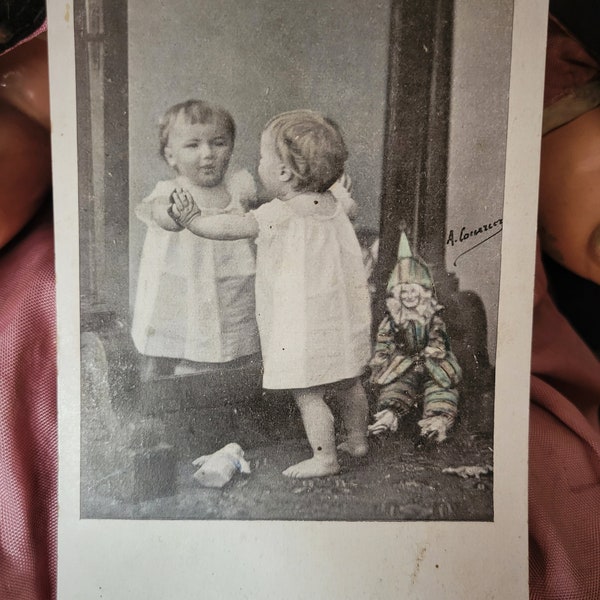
[{"x": 409, "y": 268}]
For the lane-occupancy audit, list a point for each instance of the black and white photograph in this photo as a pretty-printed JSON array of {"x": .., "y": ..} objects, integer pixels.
[
  {"x": 316, "y": 349},
  {"x": 292, "y": 222}
]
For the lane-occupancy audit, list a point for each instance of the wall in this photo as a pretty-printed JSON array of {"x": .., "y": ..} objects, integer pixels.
[
  {"x": 258, "y": 58},
  {"x": 478, "y": 121}
]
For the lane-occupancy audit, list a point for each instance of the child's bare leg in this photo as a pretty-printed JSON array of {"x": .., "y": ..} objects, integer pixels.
[
  {"x": 355, "y": 414},
  {"x": 318, "y": 424}
]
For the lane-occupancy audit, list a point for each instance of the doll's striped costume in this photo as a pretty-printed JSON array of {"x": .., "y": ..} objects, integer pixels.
[{"x": 411, "y": 359}]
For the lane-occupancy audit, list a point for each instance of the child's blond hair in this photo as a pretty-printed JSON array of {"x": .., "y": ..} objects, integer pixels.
[
  {"x": 193, "y": 111},
  {"x": 311, "y": 146}
]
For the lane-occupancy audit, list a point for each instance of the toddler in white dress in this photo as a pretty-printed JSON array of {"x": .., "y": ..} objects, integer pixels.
[
  {"x": 312, "y": 301},
  {"x": 195, "y": 296}
]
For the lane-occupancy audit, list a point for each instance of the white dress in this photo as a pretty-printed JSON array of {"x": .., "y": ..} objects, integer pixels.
[
  {"x": 312, "y": 301},
  {"x": 195, "y": 297}
]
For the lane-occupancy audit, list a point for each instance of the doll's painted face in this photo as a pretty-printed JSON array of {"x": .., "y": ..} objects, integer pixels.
[
  {"x": 411, "y": 302},
  {"x": 410, "y": 294},
  {"x": 569, "y": 211},
  {"x": 25, "y": 172},
  {"x": 199, "y": 151}
]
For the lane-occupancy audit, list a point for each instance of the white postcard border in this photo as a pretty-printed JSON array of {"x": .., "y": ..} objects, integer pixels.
[{"x": 116, "y": 559}]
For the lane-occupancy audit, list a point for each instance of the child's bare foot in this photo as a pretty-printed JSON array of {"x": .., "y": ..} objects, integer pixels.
[
  {"x": 313, "y": 467},
  {"x": 355, "y": 447}
]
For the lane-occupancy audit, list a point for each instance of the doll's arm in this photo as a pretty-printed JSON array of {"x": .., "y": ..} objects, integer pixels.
[
  {"x": 185, "y": 212},
  {"x": 384, "y": 343},
  {"x": 385, "y": 346},
  {"x": 437, "y": 343},
  {"x": 439, "y": 358}
]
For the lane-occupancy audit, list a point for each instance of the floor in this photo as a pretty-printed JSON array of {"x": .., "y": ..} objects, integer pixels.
[
  {"x": 139, "y": 441},
  {"x": 396, "y": 481}
]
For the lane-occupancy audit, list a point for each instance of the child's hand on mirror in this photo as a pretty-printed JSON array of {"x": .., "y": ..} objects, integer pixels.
[
  {"x": 183, "y": 210},
  {"x": 346, "y": 182}
]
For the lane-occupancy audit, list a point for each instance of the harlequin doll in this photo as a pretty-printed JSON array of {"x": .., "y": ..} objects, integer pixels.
[{"x": 412, "y": 356}]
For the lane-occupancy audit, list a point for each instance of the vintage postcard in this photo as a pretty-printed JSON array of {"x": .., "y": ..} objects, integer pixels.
[{"x": 295, "y": 246}]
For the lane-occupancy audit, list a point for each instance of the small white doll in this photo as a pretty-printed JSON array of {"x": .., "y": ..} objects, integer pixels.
[{"x": 218, "y": 468}]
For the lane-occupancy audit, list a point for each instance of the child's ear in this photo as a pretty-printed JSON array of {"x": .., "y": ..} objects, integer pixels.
[
  {"x": 168, "y": 154},
  {"x": 285, "y": 174}
]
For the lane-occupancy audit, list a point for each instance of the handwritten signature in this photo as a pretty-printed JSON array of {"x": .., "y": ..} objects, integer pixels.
[{"x": 488, "y": 231}]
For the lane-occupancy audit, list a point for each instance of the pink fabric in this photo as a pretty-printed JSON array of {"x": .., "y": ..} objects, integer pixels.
[
  {"x": 28, "y": 437},
  {"x": 564, "y": 458}
]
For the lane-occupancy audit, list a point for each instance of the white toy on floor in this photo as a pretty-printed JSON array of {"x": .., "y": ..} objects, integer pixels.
[{"x": 218, "y": 468}]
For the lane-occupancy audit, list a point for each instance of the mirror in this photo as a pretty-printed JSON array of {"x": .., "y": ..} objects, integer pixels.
[{"x": 254, "y": 60}]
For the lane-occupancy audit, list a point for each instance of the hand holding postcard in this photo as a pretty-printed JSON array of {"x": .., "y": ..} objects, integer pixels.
[{"x": 297, "y": 332}]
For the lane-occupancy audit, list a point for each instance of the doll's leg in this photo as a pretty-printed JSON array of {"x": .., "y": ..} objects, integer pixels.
[
  {"x": 355, "y": 415},
  {"x": 439, "y": 411},
  {"x": 396, "y": 400},
  {"x": 400, "y": 395},
  {"x": 318, "y": 424}
]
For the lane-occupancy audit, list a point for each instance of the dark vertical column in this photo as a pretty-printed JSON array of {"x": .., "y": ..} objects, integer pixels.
[
  {"x": 416, "y": 136},
  {"x": 116, "y": 173},
  {"x": 103, "y": 165},
  {"x": 102, "y": 133},
  {"x": 84, "y": 157},
  {"x": 432, "y": 201}
]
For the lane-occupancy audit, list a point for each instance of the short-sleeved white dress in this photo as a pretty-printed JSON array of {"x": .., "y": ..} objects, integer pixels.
[
  {"x": 195, "y": 296},
  {"x": 312, "y": 302}
]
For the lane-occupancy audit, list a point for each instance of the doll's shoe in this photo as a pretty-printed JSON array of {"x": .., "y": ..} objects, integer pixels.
[
  {"x": 436, "y": 427},
  {"x": 385, "y": 420}
]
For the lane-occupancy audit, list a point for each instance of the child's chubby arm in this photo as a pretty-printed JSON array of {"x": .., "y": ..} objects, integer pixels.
[
  {"x": 161, "y": 216},
  {"x": 186, "y": 213}
]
